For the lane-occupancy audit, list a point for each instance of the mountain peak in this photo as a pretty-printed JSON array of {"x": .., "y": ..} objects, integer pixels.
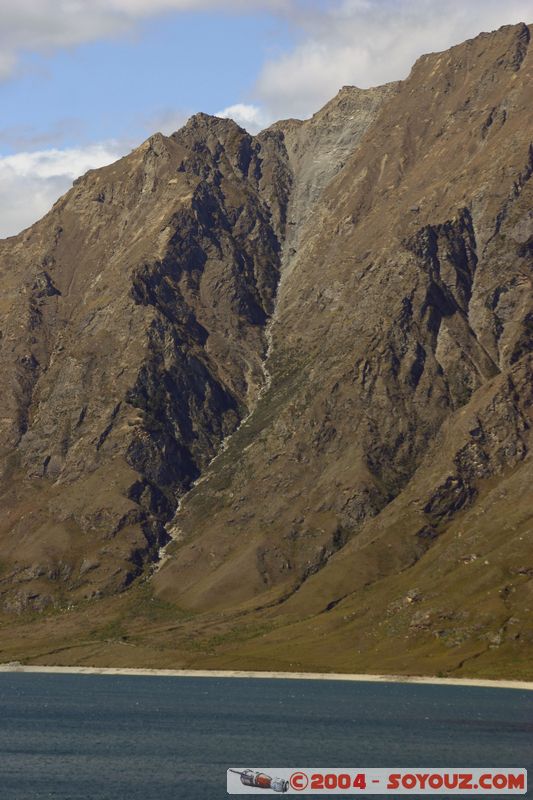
[{"x": 208, "y": 122}]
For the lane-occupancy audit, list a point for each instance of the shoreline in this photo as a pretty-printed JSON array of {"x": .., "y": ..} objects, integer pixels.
[{"x": 15, "y": 667}]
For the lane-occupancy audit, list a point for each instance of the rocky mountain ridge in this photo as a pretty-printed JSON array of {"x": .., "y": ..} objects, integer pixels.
[{"x": 346, "y": 304}]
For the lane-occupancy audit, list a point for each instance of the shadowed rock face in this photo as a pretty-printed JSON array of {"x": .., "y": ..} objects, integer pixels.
[{"x": 357, "y": 289}]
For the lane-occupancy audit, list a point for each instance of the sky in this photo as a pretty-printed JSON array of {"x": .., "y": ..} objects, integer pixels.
[{"x": 82, "y": 82}]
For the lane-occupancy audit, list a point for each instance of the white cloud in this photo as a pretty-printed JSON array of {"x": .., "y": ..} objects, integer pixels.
[
  {"x": 370, "y": 42},
  {"x": 28, "y": 25},
  {"x": 31, "y": 182},
  {"x": 250, "y": 117}
]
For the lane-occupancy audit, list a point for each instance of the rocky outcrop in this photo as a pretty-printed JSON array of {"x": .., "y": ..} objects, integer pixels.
[{"x": 139, "y": 348}]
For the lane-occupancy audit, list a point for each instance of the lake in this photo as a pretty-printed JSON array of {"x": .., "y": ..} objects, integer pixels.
[{"x": 96, "y": 737}]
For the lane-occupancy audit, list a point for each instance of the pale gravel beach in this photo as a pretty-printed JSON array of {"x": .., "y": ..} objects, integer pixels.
[{"x": 312, "y": 676}]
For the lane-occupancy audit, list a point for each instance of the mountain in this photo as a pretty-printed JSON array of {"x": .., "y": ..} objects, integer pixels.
[{"x": 267, "y": 401}]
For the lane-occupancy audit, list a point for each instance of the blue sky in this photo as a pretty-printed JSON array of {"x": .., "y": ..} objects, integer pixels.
[
  {"x": 84, "y": 81},
  {"x": 124, "y": 88}
]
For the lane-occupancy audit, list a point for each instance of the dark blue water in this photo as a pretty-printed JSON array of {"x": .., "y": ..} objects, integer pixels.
[{"x": 81, "y": 737}]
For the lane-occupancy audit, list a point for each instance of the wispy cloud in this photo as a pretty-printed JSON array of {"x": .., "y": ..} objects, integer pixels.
[
  {"x": 49, "y": 24},
  {"x": 27, "y": 137},
  {"x": 250, "y": 117},
  {"x": 30, "y": 182}
]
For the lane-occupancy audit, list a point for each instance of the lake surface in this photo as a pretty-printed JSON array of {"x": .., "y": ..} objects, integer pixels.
[{"x": 81, "y": 737}]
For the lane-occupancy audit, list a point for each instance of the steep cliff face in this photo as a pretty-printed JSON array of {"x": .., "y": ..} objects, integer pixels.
[
  {"x": 132, "y": 344},
  {"x": 346, "y": 303},
  {"x": 406, "y": 312}
]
